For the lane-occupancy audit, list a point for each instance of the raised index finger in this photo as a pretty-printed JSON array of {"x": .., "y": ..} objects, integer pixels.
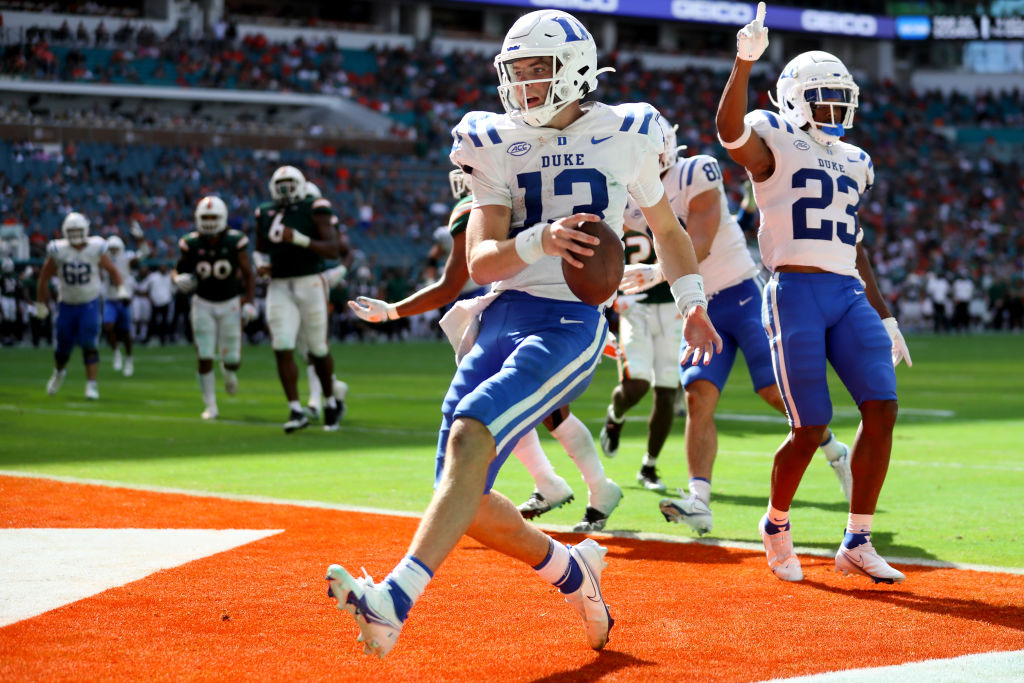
[{"x": 759, "y": 18}]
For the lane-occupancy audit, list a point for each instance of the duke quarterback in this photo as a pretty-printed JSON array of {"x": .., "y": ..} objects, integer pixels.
[{"x": 546, "y": 165}]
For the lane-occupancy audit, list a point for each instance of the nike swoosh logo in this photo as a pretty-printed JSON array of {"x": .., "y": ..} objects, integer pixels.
[
  {"x": 596, "y": 597},
  {"x": 853, "y": 160},
  {"x": 858, "y": 291},
  {"x": 566, "y": 321},
  {"x": 744, "y": 302},
  {"x": 597, "y": 141}
]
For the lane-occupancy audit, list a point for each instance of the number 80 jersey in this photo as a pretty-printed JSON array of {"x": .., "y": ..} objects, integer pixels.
[
  {"x": 543, "y": 174},
  {"x": 809, "y": 204}
]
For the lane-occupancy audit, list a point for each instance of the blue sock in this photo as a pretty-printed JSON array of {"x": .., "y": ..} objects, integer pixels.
[
  {"x": 851, "y": 540},
  {"x": 774, "y": 528}
]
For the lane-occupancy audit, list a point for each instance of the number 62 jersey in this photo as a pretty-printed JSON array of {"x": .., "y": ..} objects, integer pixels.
[
  {"x": 543, "y": 174},
  {"x": 809, "y": 204}
]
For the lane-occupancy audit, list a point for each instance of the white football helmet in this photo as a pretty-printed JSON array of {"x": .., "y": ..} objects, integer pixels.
[
  {"x": 668, "y": 156},
  {"x": 554, "y": 34},
  {"x": 460, "y": 182},
  {"x": 211, "y": 215},
  {"x": 312, "y": 191},
  {"x": 114, "y": 244},
  {"x": 7, "y": 265},
  {"x": 817, "y": 79},
  {"x": 288, "y": 185},
  {"x": 75, "y": 229}
]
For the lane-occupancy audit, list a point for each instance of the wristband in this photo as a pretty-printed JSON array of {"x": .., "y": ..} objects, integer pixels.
[
  {"x": 688, "y": 291},
  {"x": 260, "y": 259},
  {"x": 738, "y": 142},
  {"x": 392, "y": 311},
  {"x": 530, "y": 244},
  {"x": 300, "y": 240}
]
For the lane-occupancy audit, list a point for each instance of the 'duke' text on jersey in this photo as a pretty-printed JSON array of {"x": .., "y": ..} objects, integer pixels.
[{"x": 556, "y": 160}]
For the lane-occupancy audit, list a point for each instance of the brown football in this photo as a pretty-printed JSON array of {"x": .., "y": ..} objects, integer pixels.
[{"x": 601, "y": 273}]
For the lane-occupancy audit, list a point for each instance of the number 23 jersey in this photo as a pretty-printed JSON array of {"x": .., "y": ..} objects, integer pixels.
[
  {"x": 809, "y": 204},
  {"x": 543, "y": 174}
]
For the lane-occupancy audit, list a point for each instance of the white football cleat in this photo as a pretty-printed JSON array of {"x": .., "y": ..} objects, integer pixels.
[
  {"x": 92, "y": 392},
  {"x": 587, "y": 599},
  {"x": 841, "y": 466},
  {"x": 56, "y": 379},
  {"x": 782, "y": 558},
  {"x": 117, "y": 360},
  {"x": 340, "y": 394},
  {"x": 129, "y": 367},
  {"x": 372, "y": 607},
  {"x": 210, "y": 414},
  {"x": 689, "y": 510},
  {"x": 864, "y": 559}
]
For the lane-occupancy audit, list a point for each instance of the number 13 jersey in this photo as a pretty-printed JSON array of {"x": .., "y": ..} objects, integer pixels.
[
  {"x": 809, "y": 204},
  {"x": 543, "y": 174}
]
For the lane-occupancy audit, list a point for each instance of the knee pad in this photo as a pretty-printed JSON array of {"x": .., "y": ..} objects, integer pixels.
[
  {"x": 91, "y": 356},
  {"x": 318, "y": 349}
]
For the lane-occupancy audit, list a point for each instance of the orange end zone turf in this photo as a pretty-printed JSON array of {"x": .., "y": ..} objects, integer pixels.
[{"x": 260, "y": 612}]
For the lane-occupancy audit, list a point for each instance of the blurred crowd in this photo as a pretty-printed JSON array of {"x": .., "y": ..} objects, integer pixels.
[{"x": 944, "y": 221}]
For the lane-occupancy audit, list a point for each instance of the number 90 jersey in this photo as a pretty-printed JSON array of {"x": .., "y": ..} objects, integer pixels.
[
  {"x": 809, "y": 204},
  {"x": 78, "y": 270},
  {"x": 214, "y": 263},
  {"x": 543, "y": 174}
]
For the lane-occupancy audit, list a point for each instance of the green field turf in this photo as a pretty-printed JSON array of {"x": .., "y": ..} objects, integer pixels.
[{"x": 954, "y": 491}]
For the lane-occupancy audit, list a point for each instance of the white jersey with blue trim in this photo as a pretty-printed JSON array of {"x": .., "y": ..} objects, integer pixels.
[
  {"x": 543, "y": 174},
  {"x": 123, "y": 265},
  {"x": 78, "y": 270},
  {"x": 809, "y": 204}
]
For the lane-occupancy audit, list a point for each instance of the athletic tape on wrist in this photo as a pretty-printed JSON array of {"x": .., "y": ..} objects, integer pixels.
[
  {"x": 738, "y": 142},
  {"x": 260, "y": 259},
  {"x": 300, "y": 240},
  {"x": 392, "y": 311},
  {"x": 688, "y": 291},
  {"x": 530, "y": 244}
]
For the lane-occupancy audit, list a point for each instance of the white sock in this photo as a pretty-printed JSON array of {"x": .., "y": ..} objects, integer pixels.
[
  {"x": 529, "y": 452},
  {"x": 295, "y": 406},
  {"x": 331, "y": 402},
  {"x": 316, "y": 393},
  {"x": 90, "y": 384},
  {"x": 778, "y": 517},
  {"x": 859, "y": 524},
  {"x": 412, "y": 576},
  {"x": 578, "y": 442},
  {"x": 831, "y": 447},
  {"x": 555, "y": 568},
  {"x": 207, "y": 385},
  {"x": 701, "y": 488},
  {"x": 649, "y": 461},
  {"x": 611, "y": 413}
]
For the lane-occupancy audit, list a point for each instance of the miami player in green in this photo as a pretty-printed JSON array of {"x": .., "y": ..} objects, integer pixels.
[
  {"x": 214, "y": 263},
  {"x": 294, "y": 236}
]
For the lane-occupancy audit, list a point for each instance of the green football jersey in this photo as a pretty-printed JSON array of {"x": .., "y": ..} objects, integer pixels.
[
  {"x": 287, "y": 259},
  {"x": 459, "y": 219},
  {"x": 640, "y": 249},
  {"x": 214, "y": 262}
]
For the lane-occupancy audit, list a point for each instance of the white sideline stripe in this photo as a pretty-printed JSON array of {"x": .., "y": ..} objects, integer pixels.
[
  {"x": 44, "y": 569},
  {"x": 641, "y": 536},
  {"x": 990, "y": 666}
]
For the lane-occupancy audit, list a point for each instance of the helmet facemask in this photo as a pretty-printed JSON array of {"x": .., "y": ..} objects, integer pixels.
[
  {"x": 287, "y": 185},
  {"x": 670, "y": 152},
  {"x": 460, "y": 183},
  {"x": 75, "y": 229},
  {"x": 211, "y": 216}
]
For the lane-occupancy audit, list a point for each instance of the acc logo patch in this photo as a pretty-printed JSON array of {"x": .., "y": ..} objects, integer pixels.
[
  {"x": 520, "y": 148},
  {"x": 800, "y": 144}
]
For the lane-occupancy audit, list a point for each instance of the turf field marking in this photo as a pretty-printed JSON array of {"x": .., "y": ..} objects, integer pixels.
[
  {"x": 641, "y": 536},
  {"x": 990, "y": 666},
  {"x": 44, "y": 569}
]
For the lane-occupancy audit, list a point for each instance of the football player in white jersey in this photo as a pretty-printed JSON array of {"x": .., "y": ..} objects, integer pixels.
[
  {"x": 550, "y": 490},
  {"x": 76, "y": 260},
  {"x": 117, "y": 306},
  {"x": 539, "y": 170},
  {"x": 822, "y": 304},
  {"x": 696, "y": 193}
]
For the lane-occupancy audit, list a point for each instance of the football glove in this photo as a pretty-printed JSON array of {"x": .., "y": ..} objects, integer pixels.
[
  {"x": 373, "y": 310},
  {"x": 899, "y": 344},
  {"x": 248, "y": 313},
  {"x": 640, "y": 277},
  {"x": 124, "y": 291},
  {"x": 752, "y": 39},
  {"x": 185, "y": 282},
  {"x": 623, "y": 302},
  {"x": 42, "y": 310}
]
